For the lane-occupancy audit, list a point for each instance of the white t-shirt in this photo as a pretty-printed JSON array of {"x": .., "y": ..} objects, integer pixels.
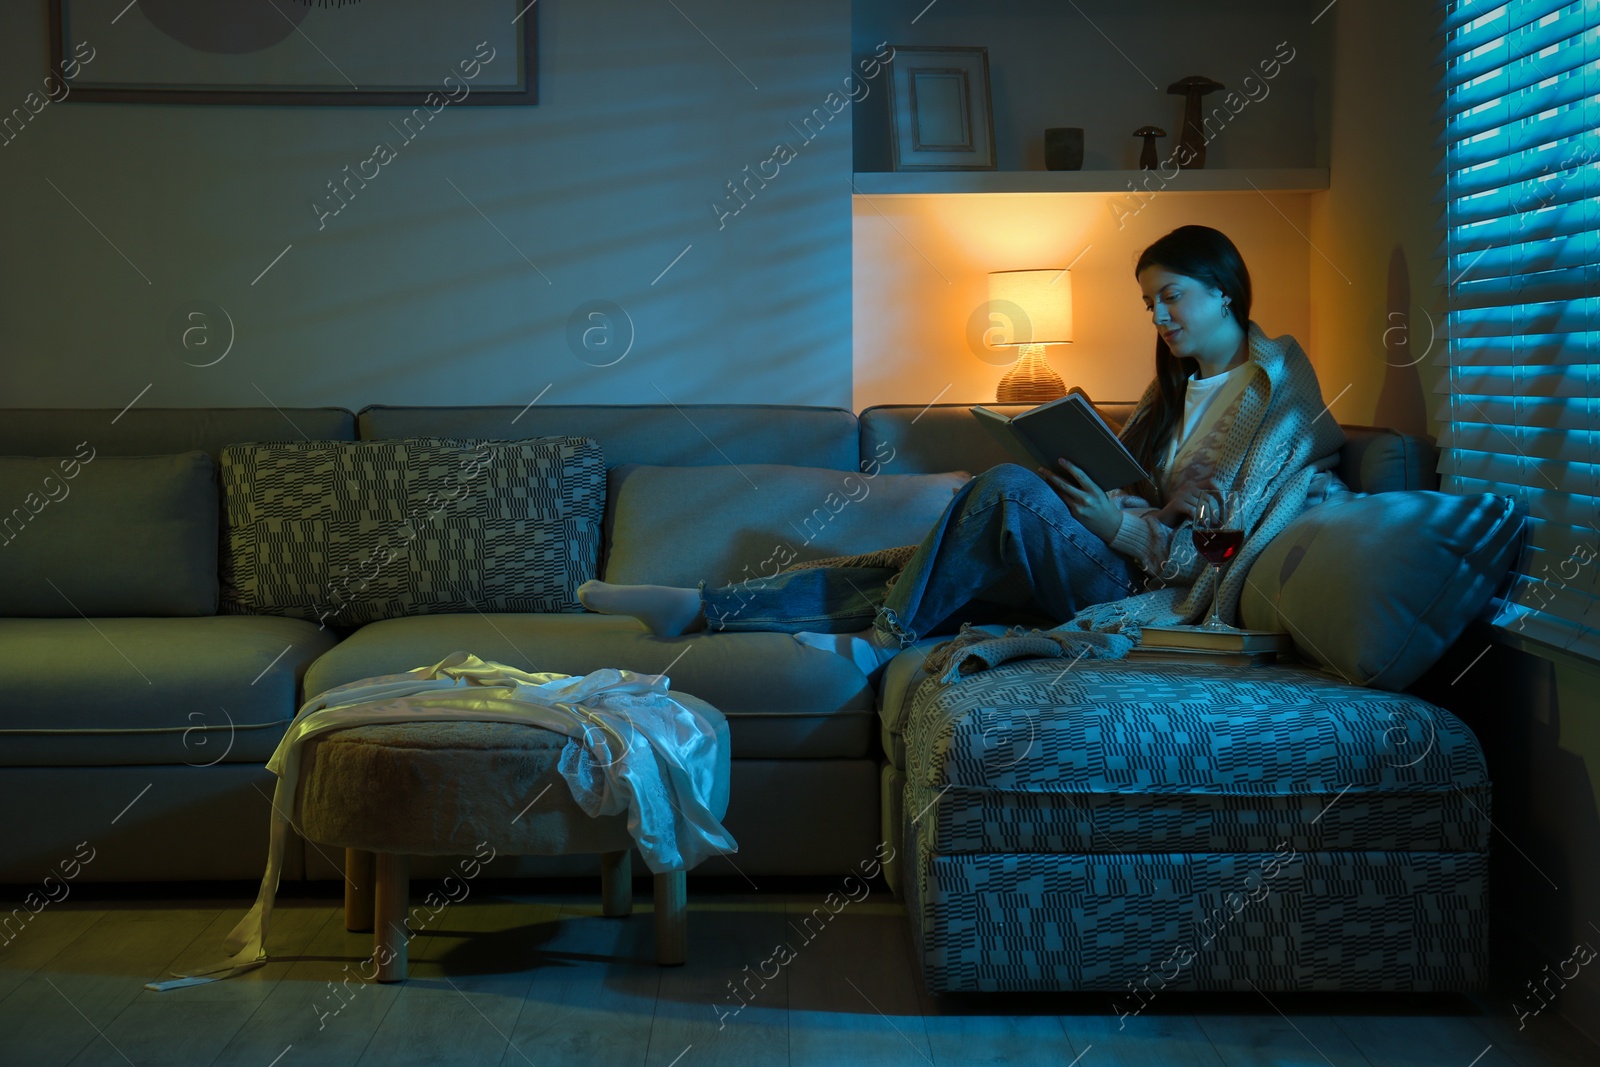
[{"x": 1204, "y": 400}]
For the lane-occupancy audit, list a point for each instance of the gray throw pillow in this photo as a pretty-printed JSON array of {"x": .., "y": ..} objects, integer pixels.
[
  {"x": 681, "y": 525},
  {"x": 106, "y": 536},
  {"x": 349, "y": 532},
  {"x": 1377, "y": 587}
]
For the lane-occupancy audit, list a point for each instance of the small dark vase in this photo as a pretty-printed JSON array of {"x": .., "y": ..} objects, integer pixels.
[{"x": 1063, "y": 148}]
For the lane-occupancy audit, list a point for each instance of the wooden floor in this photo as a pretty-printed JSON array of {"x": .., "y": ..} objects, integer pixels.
[{"x": 543, "y": 979}]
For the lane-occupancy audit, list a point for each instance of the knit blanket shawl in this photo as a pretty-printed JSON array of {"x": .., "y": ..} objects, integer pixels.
[
  {"x": 974, "y": 650},
  {"x": 1279, "y": 437},
  {"x": 1282, "y": 437}
]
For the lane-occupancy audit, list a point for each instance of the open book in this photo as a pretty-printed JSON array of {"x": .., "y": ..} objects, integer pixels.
[{"x": 1070, "y": 429}]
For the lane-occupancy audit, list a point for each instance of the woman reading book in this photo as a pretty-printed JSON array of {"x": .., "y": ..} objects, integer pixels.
[{"x": 1229, "y": 407}]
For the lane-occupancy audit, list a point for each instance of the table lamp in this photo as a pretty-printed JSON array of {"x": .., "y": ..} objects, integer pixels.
[{"x": 1041, "y": 309}]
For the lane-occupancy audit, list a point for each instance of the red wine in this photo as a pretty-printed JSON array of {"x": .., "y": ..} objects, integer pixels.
[{"x": 1218, "y": 546}]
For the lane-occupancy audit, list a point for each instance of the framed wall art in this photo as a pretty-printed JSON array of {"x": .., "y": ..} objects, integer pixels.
[
  {"x": 939, "y": 109},
  {"x": 346, "y": 52}
]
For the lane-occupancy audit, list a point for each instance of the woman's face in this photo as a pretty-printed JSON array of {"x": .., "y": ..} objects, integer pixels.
[{"x": 1191, "y": 317}]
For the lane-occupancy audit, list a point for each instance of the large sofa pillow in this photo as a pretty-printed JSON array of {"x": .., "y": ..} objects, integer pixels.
[
  {"x": 681, "y": 525},
  {"x": 346, "y": 533},
  {"x": 106, "y": 536},
  {"x": 1376, "y": 587}
]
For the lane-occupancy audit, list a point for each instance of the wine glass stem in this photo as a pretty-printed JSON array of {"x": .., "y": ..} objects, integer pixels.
[{"x": 1216, "y": 595}]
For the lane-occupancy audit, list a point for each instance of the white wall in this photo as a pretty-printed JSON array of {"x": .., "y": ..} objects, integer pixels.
[
  {"x": 1105, "y": 65},
  {"x": 409, "y": 295}
]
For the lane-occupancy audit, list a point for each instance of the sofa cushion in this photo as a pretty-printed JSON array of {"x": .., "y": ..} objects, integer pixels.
[
  {"x": 92, "y": 535},
  {"x": 681, "y": 525},
  {"x": 150, "y": 691},
  {"x": 1376, "y": 588},
  {"x": 783, "y": 700},
  {"x": 348, "y": 533},
  {"x": 1114, "y": 756},
  {"x": 1376, "y": 459}
]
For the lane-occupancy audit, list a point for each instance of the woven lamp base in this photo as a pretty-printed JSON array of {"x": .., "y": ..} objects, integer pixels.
[{"x": 1030, "y": 380}]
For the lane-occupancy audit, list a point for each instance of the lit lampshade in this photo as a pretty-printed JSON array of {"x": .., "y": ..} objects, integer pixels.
[{"x": 1039, "y": 305}]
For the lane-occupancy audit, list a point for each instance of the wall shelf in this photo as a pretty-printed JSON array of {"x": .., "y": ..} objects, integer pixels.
[{"x": 913, "y": 183}]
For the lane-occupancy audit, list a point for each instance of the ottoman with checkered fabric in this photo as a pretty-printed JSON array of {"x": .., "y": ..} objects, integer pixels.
[{"x": 1135, "y": 827}]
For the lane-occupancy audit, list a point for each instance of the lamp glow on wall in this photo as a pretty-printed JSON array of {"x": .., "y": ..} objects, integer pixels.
[{"x": 1038, "y": 304}]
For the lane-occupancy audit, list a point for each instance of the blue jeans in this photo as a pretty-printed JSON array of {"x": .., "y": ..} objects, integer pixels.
[{"x": 1004, "y": 525}]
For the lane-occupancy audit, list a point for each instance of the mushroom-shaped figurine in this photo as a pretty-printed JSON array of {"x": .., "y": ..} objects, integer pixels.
[
  {"x": 1147, "y": 155},
  {"x": 1192, "y": 145}
]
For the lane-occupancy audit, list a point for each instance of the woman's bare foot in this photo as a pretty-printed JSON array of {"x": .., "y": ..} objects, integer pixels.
[
  {"x": 665, "y": 611},
  {"x": 868, "y": 650}
]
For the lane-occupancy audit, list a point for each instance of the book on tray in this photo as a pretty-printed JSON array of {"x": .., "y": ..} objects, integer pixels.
[
  {"x": 1071, "y": 429},
  {"x": 1198, "y": 638}
]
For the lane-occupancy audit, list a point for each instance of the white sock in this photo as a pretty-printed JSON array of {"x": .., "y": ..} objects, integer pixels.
[
  {"x": 868, "y": 650},
  {"x": 664, "y": 610}
]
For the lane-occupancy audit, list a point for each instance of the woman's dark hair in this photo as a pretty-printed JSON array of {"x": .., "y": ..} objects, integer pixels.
[{"x": 1206, "y": 255}]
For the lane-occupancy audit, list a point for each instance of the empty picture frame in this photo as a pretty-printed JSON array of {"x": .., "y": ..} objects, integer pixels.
[
  {"x": 939, "y": 110},
  {"x": 385, "y": 52}
]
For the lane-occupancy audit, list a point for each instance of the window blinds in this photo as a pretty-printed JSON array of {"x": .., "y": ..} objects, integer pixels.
[{"x": 1521, "y": 405}]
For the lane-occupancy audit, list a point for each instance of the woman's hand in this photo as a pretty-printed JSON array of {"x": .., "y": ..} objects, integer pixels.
[
  {"x": 1088, "y": 503},
  {"x": 1185, "y": 499}
]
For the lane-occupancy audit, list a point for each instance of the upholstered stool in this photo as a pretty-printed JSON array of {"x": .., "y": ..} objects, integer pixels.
[{"x": 387, "y": 792}]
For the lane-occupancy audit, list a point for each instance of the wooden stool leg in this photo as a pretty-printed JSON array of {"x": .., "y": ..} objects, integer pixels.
[
  {"x": 358, "y": 893},
  {"x": 389, "y": 920},
  {"x": 616, "y": 884},
  {"x": 672, "y": 918}
]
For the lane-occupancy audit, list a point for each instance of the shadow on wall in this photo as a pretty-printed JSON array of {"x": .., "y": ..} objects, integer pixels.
[
  {"x": 464, "y": 269},
  {"x": 1400, "y": 401}
]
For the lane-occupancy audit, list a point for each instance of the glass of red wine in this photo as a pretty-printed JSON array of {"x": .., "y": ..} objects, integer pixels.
[{"x": 1217, "y": 537}]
